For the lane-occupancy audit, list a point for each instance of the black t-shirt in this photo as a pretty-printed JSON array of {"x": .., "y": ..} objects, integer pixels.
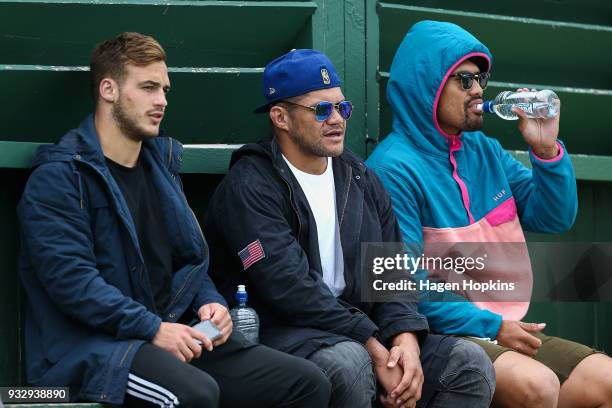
[{"x": 142, "y": 199}]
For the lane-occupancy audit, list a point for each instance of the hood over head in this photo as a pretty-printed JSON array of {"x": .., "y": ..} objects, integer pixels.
[{"x": 428, "y": 54}]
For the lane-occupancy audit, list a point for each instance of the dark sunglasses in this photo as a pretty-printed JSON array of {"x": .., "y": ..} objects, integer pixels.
[
  {"x": 324, "y": 109},
  {"x": 467, "y": 79}
]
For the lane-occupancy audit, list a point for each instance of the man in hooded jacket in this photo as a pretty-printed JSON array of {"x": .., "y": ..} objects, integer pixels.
[{"x": 449, "y": 183}]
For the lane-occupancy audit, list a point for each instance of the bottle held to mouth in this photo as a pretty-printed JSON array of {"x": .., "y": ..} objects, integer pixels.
[{"x": 536, "y": 104}]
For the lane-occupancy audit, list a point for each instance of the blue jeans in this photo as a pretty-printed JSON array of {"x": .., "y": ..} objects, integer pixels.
[
  {"x": 348, "y": 367},
  {"x": 465, "y": 379},
  {"x": 468, "y": 381}
]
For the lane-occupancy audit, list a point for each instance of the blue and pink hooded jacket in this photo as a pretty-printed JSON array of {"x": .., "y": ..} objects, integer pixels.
[{"x": 465, "y": 187}]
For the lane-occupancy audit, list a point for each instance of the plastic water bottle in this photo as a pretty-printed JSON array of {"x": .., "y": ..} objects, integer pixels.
[
  {"x": 244, "y": 318},
  {"x": 536, "y": 104}
]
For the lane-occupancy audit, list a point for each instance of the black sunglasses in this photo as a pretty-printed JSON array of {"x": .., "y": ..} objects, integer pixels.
[
  {"x": 324, "y": 109},
  {"x": 467, "y": 79}
]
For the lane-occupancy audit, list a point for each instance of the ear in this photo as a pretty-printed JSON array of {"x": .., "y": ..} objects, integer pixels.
[
  {"x": 280, "y": 117},
  {"x": 109, "y": 90}
]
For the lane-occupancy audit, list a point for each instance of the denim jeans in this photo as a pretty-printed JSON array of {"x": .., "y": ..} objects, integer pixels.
[
  {"x": 468, "y": 381},
  {"x": 465, "y": 380},
  {"x": 348, "y": 367}
]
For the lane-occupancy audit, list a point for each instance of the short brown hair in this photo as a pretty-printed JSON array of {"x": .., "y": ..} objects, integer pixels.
[{"x": 110, "y": 58}]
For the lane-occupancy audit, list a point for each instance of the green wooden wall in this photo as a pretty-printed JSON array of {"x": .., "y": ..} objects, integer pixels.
[{"x": 217, "y": 51}]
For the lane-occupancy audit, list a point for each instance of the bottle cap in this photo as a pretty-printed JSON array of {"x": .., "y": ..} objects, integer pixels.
[{"x": 486, "y": 107}]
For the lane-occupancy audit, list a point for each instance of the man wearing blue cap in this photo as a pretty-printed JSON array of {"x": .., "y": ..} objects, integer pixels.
[{"x": 288, "y": 221}]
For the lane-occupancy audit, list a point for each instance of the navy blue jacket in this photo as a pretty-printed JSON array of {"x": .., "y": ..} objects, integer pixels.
[
  {"x": 261, "y": 199},
  {"x": 90, "y": 305}
]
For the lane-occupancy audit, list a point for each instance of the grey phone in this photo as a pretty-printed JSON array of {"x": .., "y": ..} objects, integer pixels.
[{"x": 209, "y": 329}]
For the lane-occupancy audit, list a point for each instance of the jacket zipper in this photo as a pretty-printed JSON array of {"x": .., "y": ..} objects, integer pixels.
[
  {"x": 125, "y": 354},
  {"x": 348, "y": 187},
  {"x": 170, "y": 153},
  {"x": 188, "y": 278},
  {"x": 297, "y": 214}
]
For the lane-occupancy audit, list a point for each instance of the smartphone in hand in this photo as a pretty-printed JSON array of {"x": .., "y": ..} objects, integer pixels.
[{"x": 209, "y": 329}]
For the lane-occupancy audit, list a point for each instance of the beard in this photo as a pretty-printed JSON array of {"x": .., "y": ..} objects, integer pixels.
[
  {"x": 474, "y": 122},
  {"x": 315, "y": 147},
  {"x": 310, "y": 146},
  {"x": 128, "y": 123}
]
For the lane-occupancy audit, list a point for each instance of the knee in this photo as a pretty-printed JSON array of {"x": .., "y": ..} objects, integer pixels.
[
  {"x": 355, "y": 365},
  {"x": 595, "y": 374},
  {"x": 348, "y": 367},
  {"x": 472, "y": 369},
  {"x": 314, "y": 384},
  {"x": 204, "y": 394},
  {"x": 539, "y": 389}
]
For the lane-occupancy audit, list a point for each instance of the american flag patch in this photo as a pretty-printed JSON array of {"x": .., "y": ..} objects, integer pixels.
[{"x": 251, "y": 253}]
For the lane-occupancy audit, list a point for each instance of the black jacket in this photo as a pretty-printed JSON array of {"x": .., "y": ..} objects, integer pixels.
[{"x": 260, "y": 199}]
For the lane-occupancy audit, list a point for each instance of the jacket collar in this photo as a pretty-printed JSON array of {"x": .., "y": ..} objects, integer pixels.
[
  {"x": 83, "y": 144},
  {"x": 270, "y": 149}
]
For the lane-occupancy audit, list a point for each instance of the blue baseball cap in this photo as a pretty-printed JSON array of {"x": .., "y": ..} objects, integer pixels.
[{"x": 296, "y": 73}]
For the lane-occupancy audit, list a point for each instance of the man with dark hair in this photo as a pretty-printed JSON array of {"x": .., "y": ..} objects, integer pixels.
[
  {"x": 115, "y": 265},
  {"x": 306, "y": 204},
  {"x": 451, "y": 184}
]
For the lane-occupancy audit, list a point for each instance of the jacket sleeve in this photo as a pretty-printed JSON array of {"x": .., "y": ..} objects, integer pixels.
[
  {"x": 393, "y": 318},
  {"x": 58, "y": 240},
  {"x": 207, "y": 294},
  {"x": 448, "y": 317},
  {"x": 546, "y": 196},
  {"x": 251, "y": 211}
]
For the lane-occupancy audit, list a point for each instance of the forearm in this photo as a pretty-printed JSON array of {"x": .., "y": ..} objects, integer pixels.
[{"x": 378, "y": 353}]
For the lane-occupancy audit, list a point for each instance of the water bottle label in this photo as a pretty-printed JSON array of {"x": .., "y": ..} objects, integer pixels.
[{"x": 525, "y": 107}]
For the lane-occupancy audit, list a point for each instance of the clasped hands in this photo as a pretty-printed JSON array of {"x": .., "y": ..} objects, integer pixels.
[{"x": 398, "y": 370}]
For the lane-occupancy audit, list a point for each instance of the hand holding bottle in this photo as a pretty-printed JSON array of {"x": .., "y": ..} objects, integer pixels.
[{"x": 539, "y": 133}]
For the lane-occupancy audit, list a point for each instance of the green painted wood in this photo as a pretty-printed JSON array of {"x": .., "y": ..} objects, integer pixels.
[
  {"x": 354, "y": 68},
  {"x": 594, "y": 219},
  {"x": 524, "y": 50},
  {"x": 587, "y": 167},
  {"x": 578, "y": 11},
  {"x": 338, "y": 30},
  {"x": 210, "y": 159},
  {"x": 583, "y": 127},
  {"x": 205, "y": 105},
  {"x": 214, "y": 159},
  {"x": 206, "y": 159},
  {"x": 194, "y": 33}
]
